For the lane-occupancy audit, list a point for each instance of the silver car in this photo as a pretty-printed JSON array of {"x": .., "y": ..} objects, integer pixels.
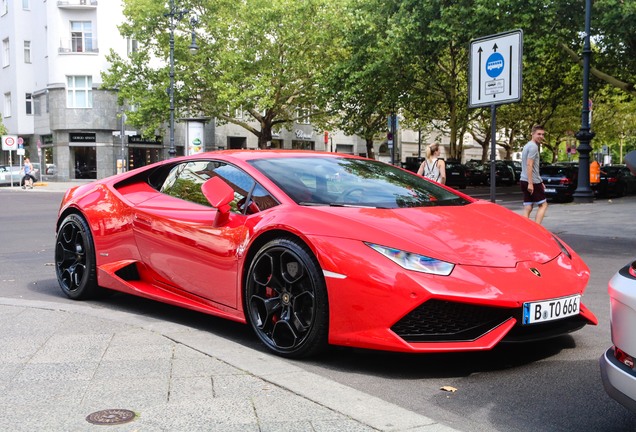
[
  {"x": 9, "y": 174},
  {"x": 618, "y": 363}
]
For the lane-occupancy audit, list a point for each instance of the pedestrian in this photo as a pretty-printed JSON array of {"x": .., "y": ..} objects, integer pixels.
[
  {"x": 531, "y": 184},
  {"x": 28, "y": 179},
  {"x": 433, "y": 167}
]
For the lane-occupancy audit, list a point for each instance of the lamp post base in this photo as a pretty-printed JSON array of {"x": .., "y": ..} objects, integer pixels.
[{"x": 584, "y": 196}]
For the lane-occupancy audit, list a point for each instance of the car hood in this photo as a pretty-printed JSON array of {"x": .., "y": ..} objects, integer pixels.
[{"x": 478, "y": 234}]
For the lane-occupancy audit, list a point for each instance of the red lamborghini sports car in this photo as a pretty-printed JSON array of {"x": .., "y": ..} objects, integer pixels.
[{"x": 312, "y": 249}]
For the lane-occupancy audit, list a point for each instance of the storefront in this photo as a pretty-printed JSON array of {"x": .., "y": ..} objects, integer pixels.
[
  {"x": 83, "y": 154},
  {"x": 143, "y": 151}
]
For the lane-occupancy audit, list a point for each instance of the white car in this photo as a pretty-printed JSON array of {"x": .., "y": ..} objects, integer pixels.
[
  {"x": 10, "y": 175},
  {"x": 618, "y": 363}
]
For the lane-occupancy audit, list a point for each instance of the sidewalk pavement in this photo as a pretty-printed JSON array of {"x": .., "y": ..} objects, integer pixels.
[{"x": 63, "y": 361}]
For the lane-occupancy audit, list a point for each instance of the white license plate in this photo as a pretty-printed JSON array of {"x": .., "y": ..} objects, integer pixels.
[
  {"x": 550, "y": 190},
  {"x": 548, "y": 310},
  {"x": 454, "y": 173}
]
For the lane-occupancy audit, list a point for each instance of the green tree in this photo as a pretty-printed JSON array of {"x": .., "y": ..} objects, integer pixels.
[
  {"x": 257, "y": 57},
  {"x": 359, "y": 88}
]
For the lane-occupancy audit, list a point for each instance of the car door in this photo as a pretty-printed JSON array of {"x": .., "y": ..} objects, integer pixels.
[{"x": 178, "y": 241}]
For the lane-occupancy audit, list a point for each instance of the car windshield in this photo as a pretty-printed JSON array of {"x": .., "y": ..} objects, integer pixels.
[{"x": 352, "y": 182}]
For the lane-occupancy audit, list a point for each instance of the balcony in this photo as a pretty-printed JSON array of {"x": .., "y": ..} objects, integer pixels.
[
  {"x": 77, "y": 4},
  {"x": 79, "y": 46}
]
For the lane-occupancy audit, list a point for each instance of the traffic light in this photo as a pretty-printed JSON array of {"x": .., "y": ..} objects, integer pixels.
[
  {"x": 389, "y": 137},
  {"x": 326, "y": 137}
]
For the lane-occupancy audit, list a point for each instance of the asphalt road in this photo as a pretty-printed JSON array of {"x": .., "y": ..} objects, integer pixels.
[{"x": 549, "y": 386}]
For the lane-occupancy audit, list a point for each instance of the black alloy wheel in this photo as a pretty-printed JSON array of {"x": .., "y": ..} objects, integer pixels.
[
  {"x": 75, "y": 259},
  {"x": 286, "y": 299}
]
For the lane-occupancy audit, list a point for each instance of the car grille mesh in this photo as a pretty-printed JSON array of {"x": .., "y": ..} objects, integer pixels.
[{"x": 439, "y": 320}]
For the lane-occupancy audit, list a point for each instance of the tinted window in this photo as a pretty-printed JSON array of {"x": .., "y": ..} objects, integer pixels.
[
  {"x": 352, "y": 182},
  {"x": 184, "y": 181}
]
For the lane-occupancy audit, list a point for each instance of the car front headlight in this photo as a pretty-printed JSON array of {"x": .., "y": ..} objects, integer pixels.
[{"x": 415, "y": 262}]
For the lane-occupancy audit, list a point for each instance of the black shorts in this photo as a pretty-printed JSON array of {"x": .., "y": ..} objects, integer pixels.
[{"x": 537, "y": 196}]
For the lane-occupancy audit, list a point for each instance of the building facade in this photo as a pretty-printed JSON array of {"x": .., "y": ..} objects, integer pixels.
[{"x": 53, "y": 54}]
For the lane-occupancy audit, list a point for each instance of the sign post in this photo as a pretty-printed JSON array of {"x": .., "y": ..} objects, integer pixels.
[
  {"x": 495, "y": 78},
  {"x": 10, "y": 143}
]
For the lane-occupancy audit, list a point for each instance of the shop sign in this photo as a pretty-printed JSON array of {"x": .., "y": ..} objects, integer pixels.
[
  {"x": 81, "y": 137},
  {"x": 139, "y": 139},
  {"x": 301, "y": 134}
]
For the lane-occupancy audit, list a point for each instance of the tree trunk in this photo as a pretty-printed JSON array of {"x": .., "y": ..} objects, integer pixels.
[{"x": 370, "y": 150}]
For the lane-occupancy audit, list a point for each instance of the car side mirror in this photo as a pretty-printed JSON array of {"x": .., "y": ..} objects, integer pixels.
[
  {"x": 630, "y": 161},
  {"x": 219, "y": 194}
]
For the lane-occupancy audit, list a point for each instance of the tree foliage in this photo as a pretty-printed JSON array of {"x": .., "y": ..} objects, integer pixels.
[
  {"x": 349, "y": 64},
  {"x": 260, "y": 58}
]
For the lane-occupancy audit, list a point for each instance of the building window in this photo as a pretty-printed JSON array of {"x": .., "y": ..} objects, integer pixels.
[
  {"x": 25, "y": 4},
  {"x": 7, "y": 104},
  {"x": 79, "y": 92},
  {"x": 303, "y": 115},
  {"x": 132, "y": 46},
  {"x": 37, "y": 105},
  {"x": 27, "y": 51},
  {"x": 81, "y": 36},
  {"x": 4, "y": 7},
  {"x": 29, "y": 103},
  {"x": 6, "y": 52}
]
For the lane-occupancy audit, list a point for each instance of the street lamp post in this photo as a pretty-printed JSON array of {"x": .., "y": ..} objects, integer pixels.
[
  {"x": 583, "y": 192},
  {"x": 176, "y": 15}
]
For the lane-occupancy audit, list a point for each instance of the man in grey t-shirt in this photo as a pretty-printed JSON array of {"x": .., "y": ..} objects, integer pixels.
[{"x": 531, "y": 183}]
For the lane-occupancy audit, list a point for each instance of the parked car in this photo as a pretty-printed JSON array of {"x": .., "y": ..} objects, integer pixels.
[
  {"x": 478, "y": 172},
  {"x": 515, "y": 166},
  {"x": 51, "y": 169},
  {"x": 618, "y": 363},
  {"x": 503, "y": 174},
  {"x": 560, "y": 181},
  {"x": 456, "y": 174},
  {"x": 9, "y": 175},
  {"x": 616, "y": 181},
  {"x": 312, "y": 249}
]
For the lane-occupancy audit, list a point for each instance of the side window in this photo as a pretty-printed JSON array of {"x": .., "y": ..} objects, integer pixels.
[{"x": 185, "y": 180}]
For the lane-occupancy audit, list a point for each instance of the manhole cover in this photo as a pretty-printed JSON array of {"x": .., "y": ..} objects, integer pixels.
[{"x": 111, "y": 417}]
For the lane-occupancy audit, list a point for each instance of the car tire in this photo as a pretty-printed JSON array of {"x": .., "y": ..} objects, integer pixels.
[
  {"x": 75, "y": 263},
  {"x": 286, "y": 299}
]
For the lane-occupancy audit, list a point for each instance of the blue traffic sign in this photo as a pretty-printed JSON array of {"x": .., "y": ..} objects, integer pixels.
[{"x": 494, "y": 65}]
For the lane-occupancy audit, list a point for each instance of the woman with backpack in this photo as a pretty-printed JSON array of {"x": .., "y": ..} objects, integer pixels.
[{"x": 433, "y": 167}]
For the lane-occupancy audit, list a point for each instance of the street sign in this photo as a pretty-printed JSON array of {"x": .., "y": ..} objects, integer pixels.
[
  {"x": 9, "y": 142},
  {"x": 495, "y": 69}
]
